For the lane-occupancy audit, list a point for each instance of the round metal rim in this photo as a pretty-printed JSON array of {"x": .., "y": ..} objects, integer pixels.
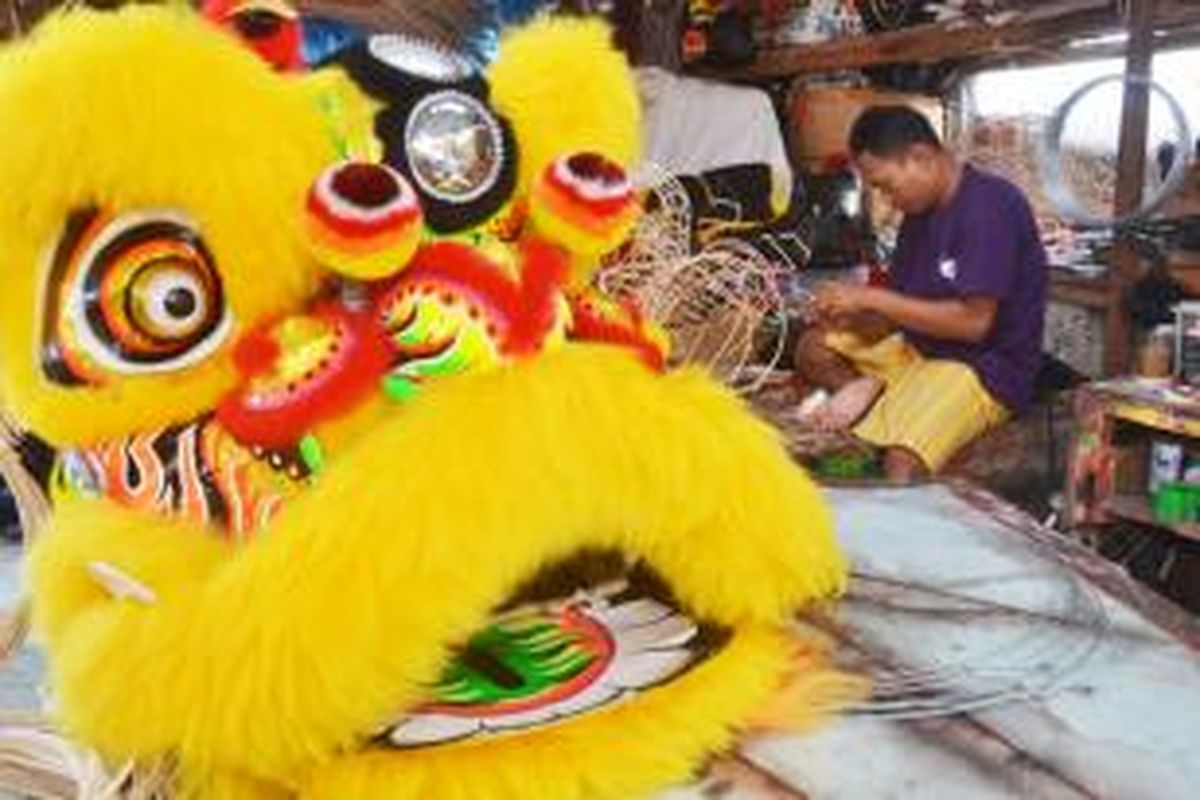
[{"x": 1050, "y": 162}]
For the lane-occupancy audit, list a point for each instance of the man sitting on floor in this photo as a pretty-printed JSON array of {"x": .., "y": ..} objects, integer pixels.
[{"x": 954, "y": 345}]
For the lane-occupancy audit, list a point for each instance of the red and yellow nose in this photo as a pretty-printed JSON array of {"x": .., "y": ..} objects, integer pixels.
[{"x": 303, "y": 371}]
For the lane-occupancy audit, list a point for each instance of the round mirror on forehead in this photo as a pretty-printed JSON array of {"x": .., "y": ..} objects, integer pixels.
[
  {"x": 423, "y": 59},
  {"x": 455, "y": 147}
]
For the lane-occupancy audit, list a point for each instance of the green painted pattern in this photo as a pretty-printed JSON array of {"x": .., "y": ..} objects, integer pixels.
[{"x": 515, "y": 659}]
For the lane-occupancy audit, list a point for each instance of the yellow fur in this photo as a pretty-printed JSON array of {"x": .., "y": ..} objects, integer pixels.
[
  {"x": 595, "y": 106},
  {"x": 674, "y": 729},
  {"x": 271, "y": 660},
  {"x": 93, "y": 111},
  {"x": 587, "y": 246},
  {"x": 263, "y": 667},
  {"x": 809, "y": 690}
]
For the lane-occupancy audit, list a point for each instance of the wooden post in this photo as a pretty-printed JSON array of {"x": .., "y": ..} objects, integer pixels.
[
  {"x": 10, "y": 23},
  {"x": 1131, "y": 176}
]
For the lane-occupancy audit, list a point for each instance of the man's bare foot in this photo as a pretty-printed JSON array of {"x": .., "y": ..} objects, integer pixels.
[
  {"x": 902, "y": 466},
  {"x": 812, "y": 403},
  {"x": 847, "y": 406}
]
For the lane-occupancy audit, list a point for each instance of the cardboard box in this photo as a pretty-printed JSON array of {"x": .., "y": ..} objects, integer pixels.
[{"x": 820, "y": 119}]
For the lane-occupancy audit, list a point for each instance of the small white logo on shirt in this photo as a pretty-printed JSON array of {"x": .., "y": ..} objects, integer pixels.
[{"x": 949, "y": 268}]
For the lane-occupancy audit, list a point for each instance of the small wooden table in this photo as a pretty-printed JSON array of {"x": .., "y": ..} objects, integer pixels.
[{"x": 1119, "y": 420}]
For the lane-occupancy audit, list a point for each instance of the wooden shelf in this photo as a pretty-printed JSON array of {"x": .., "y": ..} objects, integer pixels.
[
  {"x": 1077, "y": 289},
  {"x": 1136, "y": 508},
  {"x": 1142, "y": 404},
  {"x": 1042, "y": 29},
  {"x": 1111, "y": 450},
  {"x": 933, "y": 43},
  {"x": 1080, "y": 290}
]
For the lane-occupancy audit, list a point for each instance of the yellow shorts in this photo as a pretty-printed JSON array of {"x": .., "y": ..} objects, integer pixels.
[{"x": 930, "y": 407}]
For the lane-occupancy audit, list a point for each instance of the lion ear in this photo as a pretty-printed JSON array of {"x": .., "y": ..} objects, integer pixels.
[{"x": 566, "y": 89}]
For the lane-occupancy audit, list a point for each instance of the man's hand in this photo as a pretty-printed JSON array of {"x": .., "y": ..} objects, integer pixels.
[
  {"x": 838, "y": 301},
  {"x": 968, "y": 319}
]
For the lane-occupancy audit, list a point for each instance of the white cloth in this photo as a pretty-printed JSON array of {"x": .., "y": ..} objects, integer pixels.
[{"x": 690, "y": 125}]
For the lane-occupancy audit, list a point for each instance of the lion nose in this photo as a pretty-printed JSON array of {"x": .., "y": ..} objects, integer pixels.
[{"x": 302, "y": 371}]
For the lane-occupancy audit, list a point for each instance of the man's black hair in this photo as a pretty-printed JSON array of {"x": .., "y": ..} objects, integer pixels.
[{"x": 888, "y": 131}]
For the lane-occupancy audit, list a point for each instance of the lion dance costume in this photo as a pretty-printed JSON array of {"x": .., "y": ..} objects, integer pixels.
[{"x": 360, "y": 490}]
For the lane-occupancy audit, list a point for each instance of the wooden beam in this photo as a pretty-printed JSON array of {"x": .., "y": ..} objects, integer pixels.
[
  {"x": 1131, "y": 176},
  {"x": 1169, "y": 13},
  {"x": 1039, "y": 28},
  {"x": 1180, "y": 37},
  {"x": 934, "y": 43},
  {"x": 1068, "y": 289}
]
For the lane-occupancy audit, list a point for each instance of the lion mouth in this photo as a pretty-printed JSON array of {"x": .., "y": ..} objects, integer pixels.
[{"x": 585, "y": 634}]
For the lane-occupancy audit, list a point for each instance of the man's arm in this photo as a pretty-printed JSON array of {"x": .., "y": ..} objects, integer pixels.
[
  {"x": 960, "y": 320},
  {"x": 868, "y": 326}
]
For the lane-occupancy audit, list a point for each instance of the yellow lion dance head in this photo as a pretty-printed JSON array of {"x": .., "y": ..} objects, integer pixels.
[{"x": 304, "y": 544}]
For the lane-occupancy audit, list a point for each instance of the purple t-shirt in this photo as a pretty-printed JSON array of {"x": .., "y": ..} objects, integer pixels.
[{"x": 983, "y": 243}]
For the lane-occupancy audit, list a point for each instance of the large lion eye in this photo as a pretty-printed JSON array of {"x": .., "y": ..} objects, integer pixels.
[{"x": 130, "y": 294}]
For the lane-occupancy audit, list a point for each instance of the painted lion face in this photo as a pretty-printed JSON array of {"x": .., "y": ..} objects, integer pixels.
[{"x": 324, "y": 529}]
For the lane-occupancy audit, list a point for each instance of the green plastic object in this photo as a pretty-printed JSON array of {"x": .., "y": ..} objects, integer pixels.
[
  {"x": 1193, "y": 502},
  {"x": 1174, "y": 503},
  {"x": 846, "y": 466}
]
